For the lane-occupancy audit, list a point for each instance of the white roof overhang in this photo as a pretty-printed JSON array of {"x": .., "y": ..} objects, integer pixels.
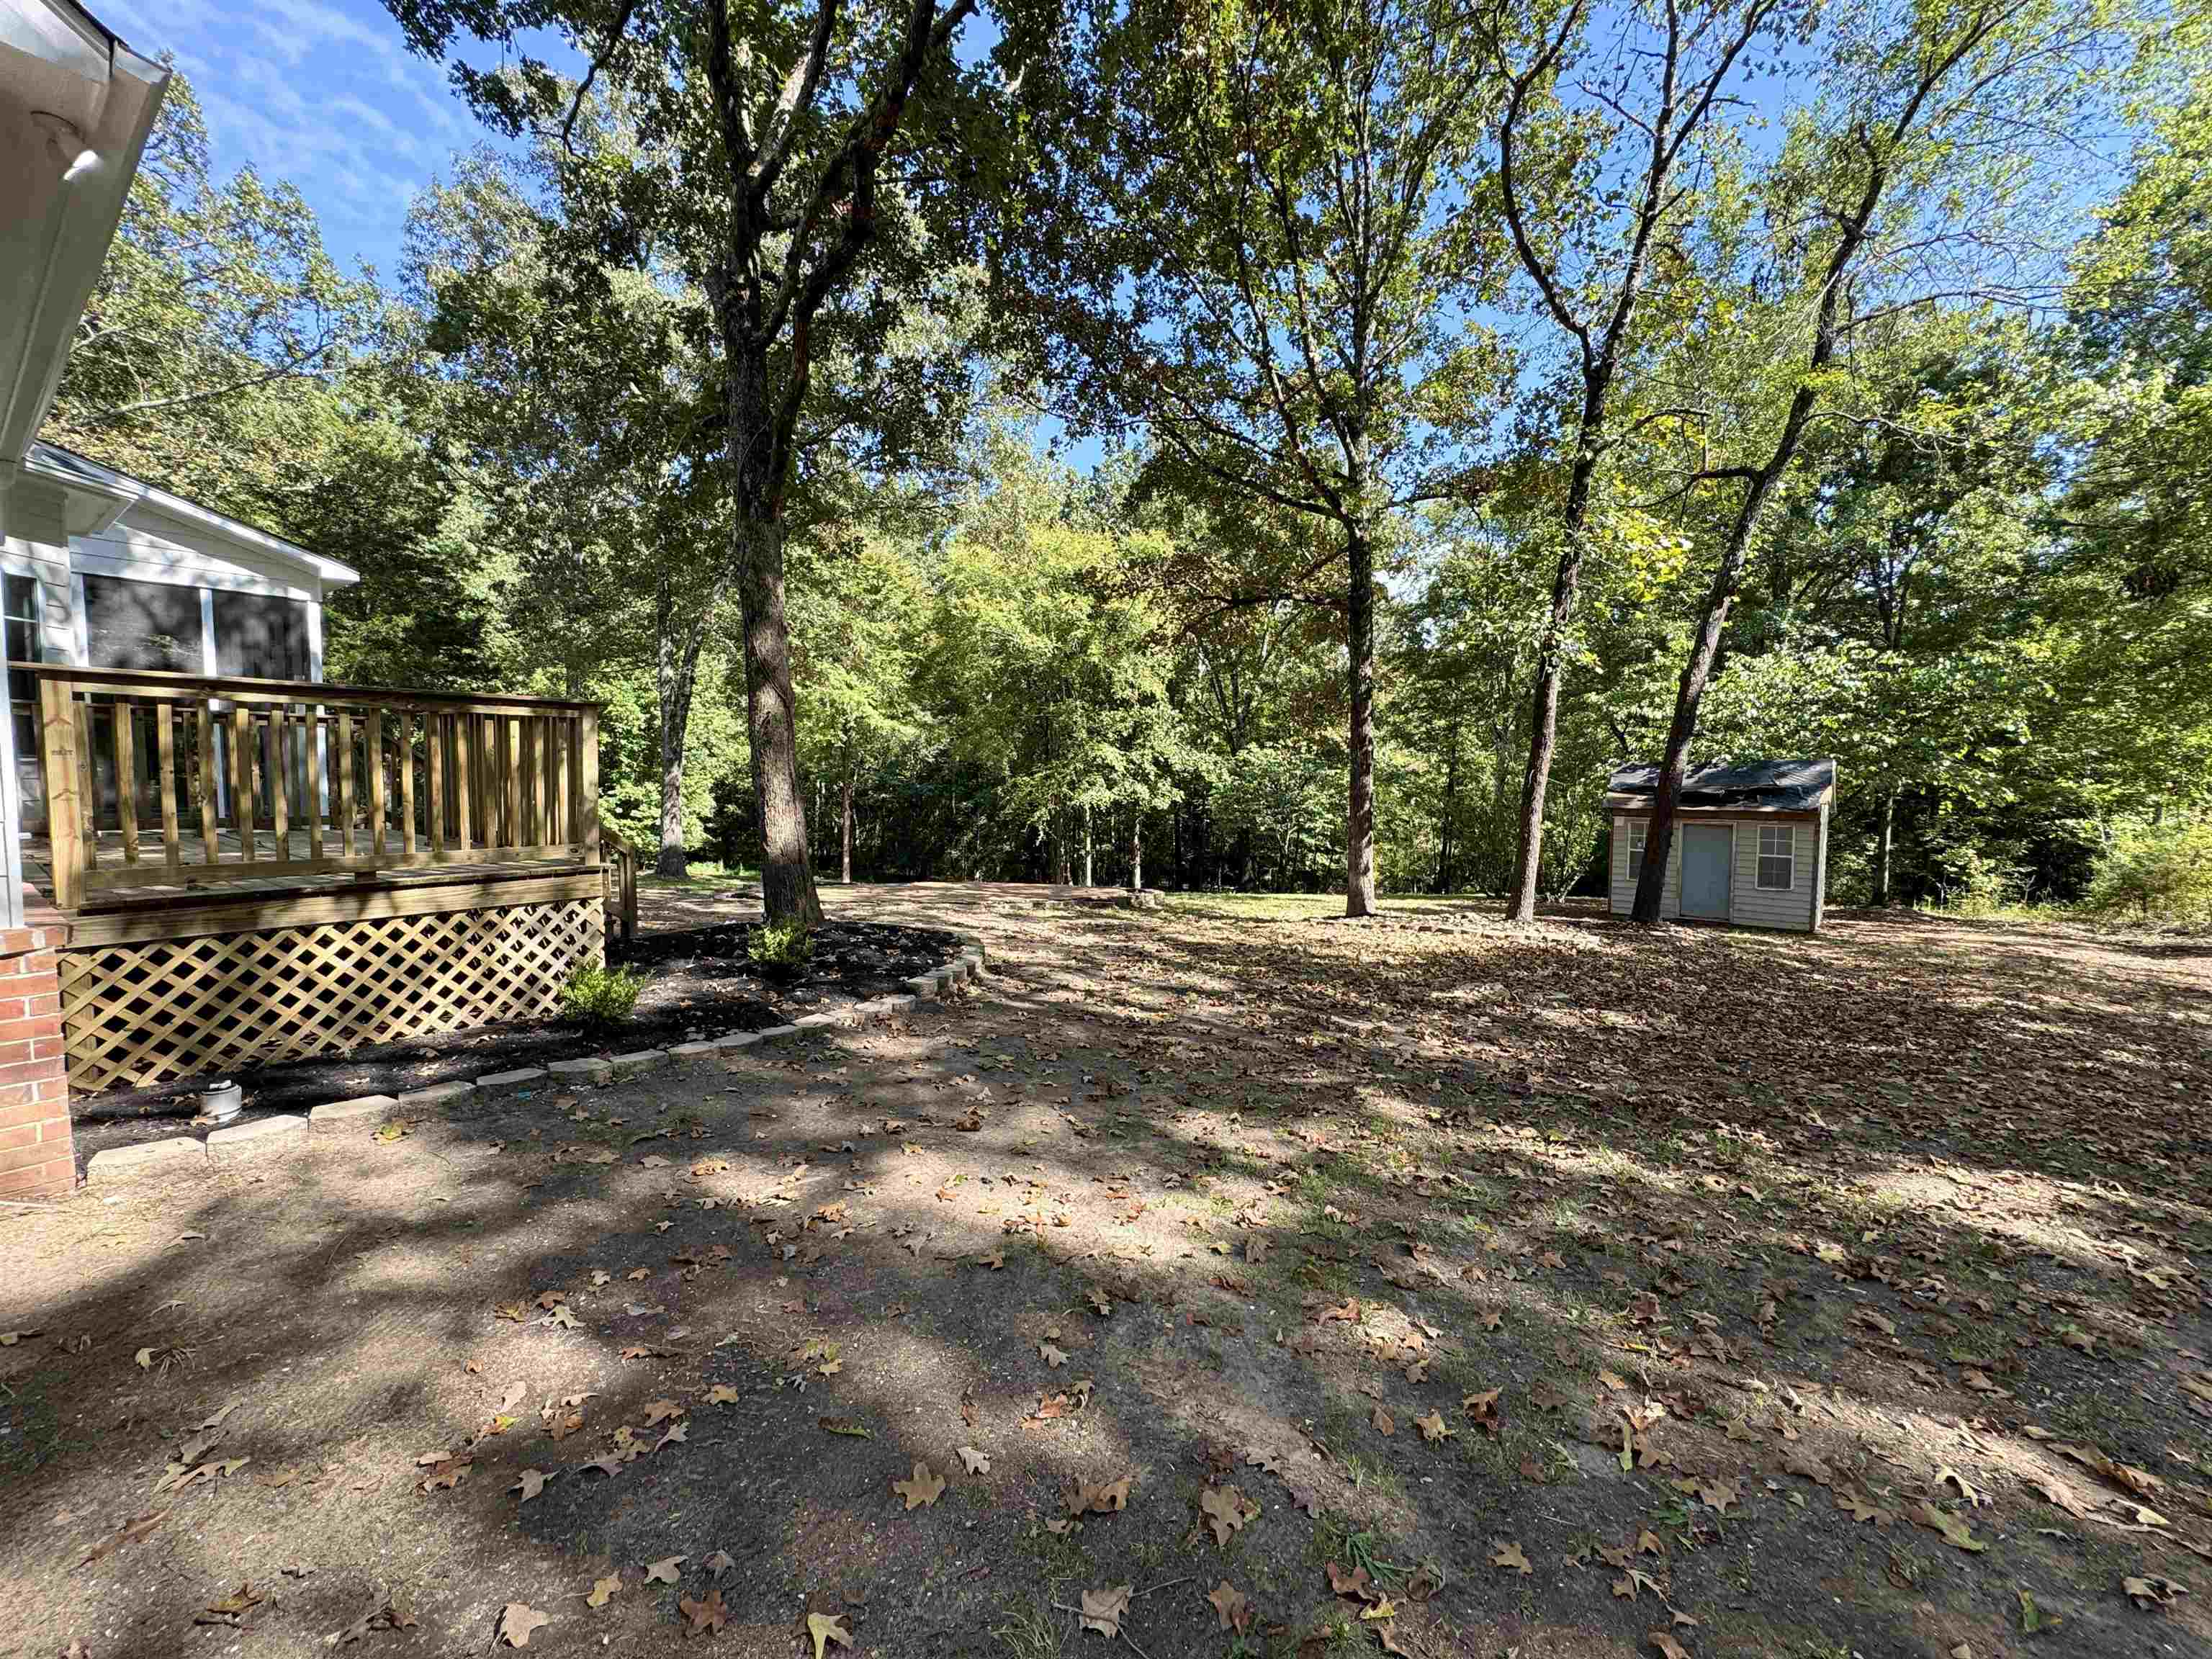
[{"x": 76, "y": 106}]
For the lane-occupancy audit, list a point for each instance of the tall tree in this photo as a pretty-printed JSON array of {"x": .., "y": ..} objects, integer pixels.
[
  {"x": 586, "y": 404},
  {"x": 1598, "y": 139},
  {"x": 1902, "y": 186},
  {"x": 1247, "y": 244},
  {"x": 781, "y": 147}
]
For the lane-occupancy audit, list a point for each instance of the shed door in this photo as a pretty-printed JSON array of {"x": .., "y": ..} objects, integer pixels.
[{"x": 1705, "y": 859}]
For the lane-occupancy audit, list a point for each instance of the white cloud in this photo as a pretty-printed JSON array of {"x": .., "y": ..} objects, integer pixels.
[{"x": 324, "y": 94}]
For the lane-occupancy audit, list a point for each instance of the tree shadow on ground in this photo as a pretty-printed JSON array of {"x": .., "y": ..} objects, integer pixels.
[{"x": 1508, "y": 1188}]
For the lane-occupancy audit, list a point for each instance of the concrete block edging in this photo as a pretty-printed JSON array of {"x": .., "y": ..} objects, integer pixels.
[{"x": 287, "y": 1133}]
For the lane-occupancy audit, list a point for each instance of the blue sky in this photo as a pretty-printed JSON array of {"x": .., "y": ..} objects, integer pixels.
[{"x": 322, "y": 93}]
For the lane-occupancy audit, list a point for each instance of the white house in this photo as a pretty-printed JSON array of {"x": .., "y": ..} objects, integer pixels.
[
  {"x": 103, "y": 570},
  {"x": 1751, "y": 842}
]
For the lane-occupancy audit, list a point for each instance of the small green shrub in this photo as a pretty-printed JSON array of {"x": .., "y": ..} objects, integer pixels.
[
  {"x": 600, "y": 996},
  {"x": 2158, "y": 873},
  {"x": 1971, "y": 882},
  {"x": 780, "y": 950}
]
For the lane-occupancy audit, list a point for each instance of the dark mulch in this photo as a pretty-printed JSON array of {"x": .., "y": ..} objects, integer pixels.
[{"x": 700, "y": 984}]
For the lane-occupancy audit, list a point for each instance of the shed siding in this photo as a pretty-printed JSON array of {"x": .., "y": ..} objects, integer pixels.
[
  {"x": 1621, "y": 895},
  {"x": 1749, "y": 905},
  {"x": 1821, "y": 873},
  {"x": 1752, "y": 906}
]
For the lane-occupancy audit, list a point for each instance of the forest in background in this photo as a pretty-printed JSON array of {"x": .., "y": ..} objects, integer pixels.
[{"x": 1977, "y": 574}]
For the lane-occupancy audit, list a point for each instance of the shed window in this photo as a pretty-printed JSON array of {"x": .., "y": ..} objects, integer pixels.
[
  {"x": 1777, "y": 856},
  {"x": 1637, "y": 830}
]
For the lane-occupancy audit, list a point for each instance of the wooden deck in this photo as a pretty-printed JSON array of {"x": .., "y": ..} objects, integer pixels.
[{"x": 252, "y": 869}]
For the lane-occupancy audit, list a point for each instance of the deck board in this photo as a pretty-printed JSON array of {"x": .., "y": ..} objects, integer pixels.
[{"x": 264, "y": 876}]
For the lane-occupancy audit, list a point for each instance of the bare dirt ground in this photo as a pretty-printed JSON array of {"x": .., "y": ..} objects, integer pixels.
[{"x": 1265, "y": 1283}]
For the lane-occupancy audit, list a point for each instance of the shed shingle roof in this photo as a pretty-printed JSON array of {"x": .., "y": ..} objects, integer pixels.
[{"x": 1775, "y": 785}]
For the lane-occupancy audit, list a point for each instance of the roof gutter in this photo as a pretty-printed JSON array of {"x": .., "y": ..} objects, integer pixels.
[
  {"x": 49, "y": 44},
  {"x": 116, "y": 492}
]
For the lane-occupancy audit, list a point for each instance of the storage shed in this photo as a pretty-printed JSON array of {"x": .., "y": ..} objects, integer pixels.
[{"x": 1751, "y": 842}]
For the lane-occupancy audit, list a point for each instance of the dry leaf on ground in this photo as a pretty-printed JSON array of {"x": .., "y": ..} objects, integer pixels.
[
  {"x": 1956, "y": 1533},
  {"x": 2152, "y": 1591},
  {"x": 706, "y": 1615},
  {"x": 1227, "y": 1510},
  {"x": 517, "y": 1620},
  {"x": 1103, "y": 1609},
  {"x": 1232, "y": 1606},
  {"x": 924, "y": 1487}
]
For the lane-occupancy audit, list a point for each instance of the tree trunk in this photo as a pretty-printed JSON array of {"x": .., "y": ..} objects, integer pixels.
[
  {"x": 1087, "y": 846},
  {"x": 771, "y": 711},
  {"x": 1451, "y": 809},
  {"x": 1360, "y": 639},
  {"x": 676, "y": 674},
  {"x": 1551, "y": 656},
  {"x": 1704, "y": 650},
  {"x": 1137, "y": 849},
  {"x": 845, "y": 872},
  {"x": 1884, "y": 847}
]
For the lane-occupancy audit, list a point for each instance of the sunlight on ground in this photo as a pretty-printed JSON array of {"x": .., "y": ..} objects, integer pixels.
[{"x": 1805, "y": 1302}]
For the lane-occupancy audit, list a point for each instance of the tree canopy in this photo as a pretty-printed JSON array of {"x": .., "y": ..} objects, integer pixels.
[{"x": 1256, "y": 445}]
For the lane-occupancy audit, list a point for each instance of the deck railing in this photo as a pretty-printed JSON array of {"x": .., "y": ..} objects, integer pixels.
[{"x": 164, "y": 780}]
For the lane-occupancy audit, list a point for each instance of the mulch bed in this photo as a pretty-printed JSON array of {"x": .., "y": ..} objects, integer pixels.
[{"x": 700, "y": 984}]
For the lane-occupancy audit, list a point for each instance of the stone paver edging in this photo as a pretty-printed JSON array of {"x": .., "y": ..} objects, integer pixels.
[{"x": 287, "y": 1134}]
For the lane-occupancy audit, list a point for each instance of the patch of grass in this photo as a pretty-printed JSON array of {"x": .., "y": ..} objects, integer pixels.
[
  {"x": 701, "y": 876},
  {"x": 1058, "y": 1556},
  {"x": 1368, "y": 1474},
  {"x": 1027, "y": 1633},
  {"x": 1353, "y": 1546},
  {"x": 1318, "y": 1274}
]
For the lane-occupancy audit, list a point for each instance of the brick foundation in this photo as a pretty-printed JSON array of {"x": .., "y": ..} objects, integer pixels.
[{"x": 36, "y": 1156}]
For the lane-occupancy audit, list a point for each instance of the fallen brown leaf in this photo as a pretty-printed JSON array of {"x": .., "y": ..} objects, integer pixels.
[
  {"x": 1104, "y": 1609},
  {"x": 925, "y": 1486},
  {"x": 823, "y": 1628},
  {"x": 516, "y": 1621}
]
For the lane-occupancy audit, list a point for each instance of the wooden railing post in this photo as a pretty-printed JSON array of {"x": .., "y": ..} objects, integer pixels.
[
  {"x": 65, "y": 807},
  {"x": 587, "y": 782}
]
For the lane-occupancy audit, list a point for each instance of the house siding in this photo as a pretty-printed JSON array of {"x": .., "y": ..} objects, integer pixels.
[
  {"x": 1749, "y": 905},
  {"x": 38, "y": 542}
]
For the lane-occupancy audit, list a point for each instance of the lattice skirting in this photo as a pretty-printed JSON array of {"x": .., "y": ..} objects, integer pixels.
[{"x": 141, "y": 1014}]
